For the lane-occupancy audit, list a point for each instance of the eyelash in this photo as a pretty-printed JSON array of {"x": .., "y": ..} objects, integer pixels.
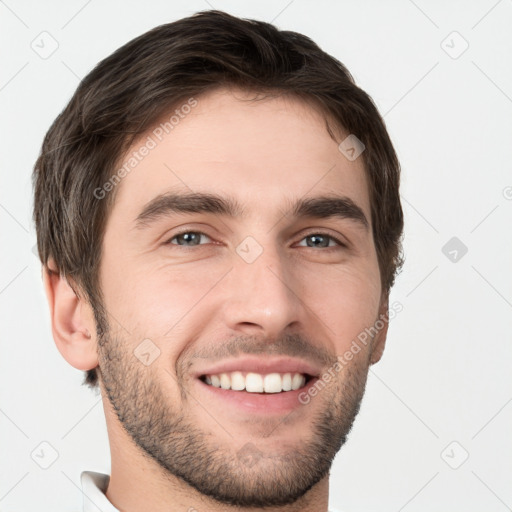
[{"x": 327, "y": 235}]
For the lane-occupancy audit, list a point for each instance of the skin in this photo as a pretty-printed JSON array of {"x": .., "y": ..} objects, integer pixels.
[{"x": 204, "y": 302}]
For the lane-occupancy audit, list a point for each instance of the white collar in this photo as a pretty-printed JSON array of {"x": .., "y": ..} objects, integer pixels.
[{"x": 94, "y": 486}]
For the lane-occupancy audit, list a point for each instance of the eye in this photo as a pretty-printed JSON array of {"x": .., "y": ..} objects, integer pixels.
[
  {"x": 313, "y": 240},
  {"x": 321, "y": 240},
  {"x": 188, "y": 238}
]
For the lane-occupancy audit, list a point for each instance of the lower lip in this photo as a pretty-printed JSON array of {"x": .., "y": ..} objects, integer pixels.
[{"x": 261, "y": 403}]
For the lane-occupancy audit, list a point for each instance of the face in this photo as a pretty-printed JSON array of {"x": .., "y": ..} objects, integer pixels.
[{"x": 238, "y": 266}]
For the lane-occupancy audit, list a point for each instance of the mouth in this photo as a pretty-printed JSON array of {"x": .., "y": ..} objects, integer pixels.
[
  {"x": 251, "y": 382},
  {"x": 251, "y": 385}
]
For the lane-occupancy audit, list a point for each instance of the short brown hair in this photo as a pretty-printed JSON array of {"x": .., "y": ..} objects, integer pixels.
[{"x": 126, "y": 93}]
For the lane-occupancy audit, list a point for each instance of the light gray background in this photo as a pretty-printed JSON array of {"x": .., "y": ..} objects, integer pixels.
[{"x": 445, "y": 375}]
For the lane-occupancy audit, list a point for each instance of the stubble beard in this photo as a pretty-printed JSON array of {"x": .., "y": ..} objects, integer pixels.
[{"x": 251, "y": 476}]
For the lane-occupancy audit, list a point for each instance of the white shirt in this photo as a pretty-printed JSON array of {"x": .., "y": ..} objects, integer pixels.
[{"x": 94, "y": 486}]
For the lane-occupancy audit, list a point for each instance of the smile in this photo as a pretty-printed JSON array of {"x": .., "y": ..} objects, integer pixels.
[{"x": 257, "y": 383}]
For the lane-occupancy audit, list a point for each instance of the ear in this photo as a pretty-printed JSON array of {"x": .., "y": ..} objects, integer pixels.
[
  {"x": 379, "y": 342},
  {"x": 73, "y": 323}
]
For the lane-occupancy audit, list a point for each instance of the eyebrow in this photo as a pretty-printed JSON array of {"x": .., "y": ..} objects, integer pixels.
[{"x": 321, "y": 207}]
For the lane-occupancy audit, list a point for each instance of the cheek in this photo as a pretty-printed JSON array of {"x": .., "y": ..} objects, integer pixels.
[
  {"x": 347, "y": 300},
  {"x": 157, "y": 301}
]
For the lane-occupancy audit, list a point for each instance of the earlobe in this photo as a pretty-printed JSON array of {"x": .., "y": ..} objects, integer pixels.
[
  {"x": 379, "y": 342},
  {"x": 73, "y": 324}
]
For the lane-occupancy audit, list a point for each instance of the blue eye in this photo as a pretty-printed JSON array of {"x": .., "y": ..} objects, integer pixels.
[
  {"x": 321, "y": 240},
  {"x": 313, "y": 240},
  {"x": 189, "y": 238}
]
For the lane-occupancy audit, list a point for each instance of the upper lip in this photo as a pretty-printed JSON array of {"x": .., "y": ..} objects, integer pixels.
[{"x": 262, "y": 365}]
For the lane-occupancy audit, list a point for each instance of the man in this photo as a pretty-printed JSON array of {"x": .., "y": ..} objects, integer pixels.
[{"x": 219, "y": 222}]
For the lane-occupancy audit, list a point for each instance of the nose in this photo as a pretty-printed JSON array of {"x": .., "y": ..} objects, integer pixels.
[{"x": 262, "y": 297}]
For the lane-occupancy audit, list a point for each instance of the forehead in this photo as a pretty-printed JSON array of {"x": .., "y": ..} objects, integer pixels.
[{"x": 227, "y": 142}]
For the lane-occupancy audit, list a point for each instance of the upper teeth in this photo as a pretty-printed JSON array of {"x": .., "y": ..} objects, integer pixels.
[{"x": 257, "y": 383}]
